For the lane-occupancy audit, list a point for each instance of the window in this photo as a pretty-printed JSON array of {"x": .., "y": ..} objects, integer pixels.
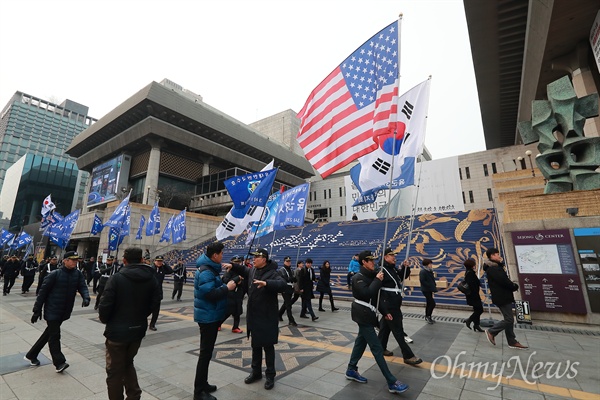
[
  {"x": 341, "y": 211},
  {"x": 329, "y": 212},
  {"x": 329, "y": 192},
  {"x": 471, "y": 197},
  {"x": 490, "y": 196},
  {"x": 468, "y": 173},
  {"x": 341, "y": 192},
  {"x": 309, "y": 196},
  {"x": 460, "y": 173},
  {"x": 485, "y": 170},
  {"x": 464, "y": 201},
  {"x": 324, "y": 193},
  {"x": 523, "y": 165},
  {"x": 494, "y": 171}
]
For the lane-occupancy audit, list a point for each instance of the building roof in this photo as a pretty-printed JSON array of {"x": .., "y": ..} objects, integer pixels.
[{"x": 517, "y": 47}]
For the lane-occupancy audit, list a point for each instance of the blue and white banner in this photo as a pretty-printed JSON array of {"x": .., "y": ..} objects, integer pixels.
[
  {"x": 251, "y": 189},
  {"x": 23, "y": 239},
  {"x": 292, "y": 207},
  {"x": 97, "y": 226},
  {"x": 166, "y": 236},
  {"x": 113, "y": 239},
  {"x": 138, "y": 236},
  {"x": 265, "y": 225},
  {"x": 5, "y": 237},
  {"x": 47, "y": 206},
  {"x": 153, "y": 225},
  {"x": 118, "y": 217},
  {"x": 178, "y": 228},
  {"x": 126, "y": 224}
]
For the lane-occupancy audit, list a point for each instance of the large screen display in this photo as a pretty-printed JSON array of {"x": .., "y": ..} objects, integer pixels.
[{"x": 104, "y": 183}]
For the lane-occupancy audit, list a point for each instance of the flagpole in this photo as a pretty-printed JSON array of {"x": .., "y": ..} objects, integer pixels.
[{"x": 300, "y": 237}]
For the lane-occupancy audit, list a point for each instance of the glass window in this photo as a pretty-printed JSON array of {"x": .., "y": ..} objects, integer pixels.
[
  {"x": 464, "y": 201},
  {"x": 494, "y": 168},
  {"x": 490, "y": 196},
  {"x": 485, "y": 170},
  {"x": 460, "y": 173},
  {"x": 324, "y": 193},
  {"x": 341, "y": 211},
  {"x": 471, "y": 200},
  {"x": 468, "y": 172}
]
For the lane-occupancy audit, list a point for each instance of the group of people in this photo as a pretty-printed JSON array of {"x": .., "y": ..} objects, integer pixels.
[{"x": 12, "y": 266}]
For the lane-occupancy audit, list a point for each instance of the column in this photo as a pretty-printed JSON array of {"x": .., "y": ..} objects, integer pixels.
[{"x": 153, "y": 171}]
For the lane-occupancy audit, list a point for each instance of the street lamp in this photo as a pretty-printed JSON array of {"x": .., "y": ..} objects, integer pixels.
[
  {"x": 528, "y": 154},
  {"x": 148, "y": 194}
]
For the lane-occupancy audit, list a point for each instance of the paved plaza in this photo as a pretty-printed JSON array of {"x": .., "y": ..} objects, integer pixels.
[{"x": 563, "y": 360}]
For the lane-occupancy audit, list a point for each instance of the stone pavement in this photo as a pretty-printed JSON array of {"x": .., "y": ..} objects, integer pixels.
[{"x": 562, "y": 362}]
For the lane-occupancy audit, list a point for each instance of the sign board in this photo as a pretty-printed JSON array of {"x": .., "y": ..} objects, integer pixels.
[
  {"x": 523, "y": 312},
  {"x": 588, "y": 248},
  {"x": 595, "y": 39},
  {"x": 548, "y": 274}
]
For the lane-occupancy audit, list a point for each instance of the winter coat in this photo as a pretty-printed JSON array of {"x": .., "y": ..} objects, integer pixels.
[
  {"x": 128, "y": 298},
  {"x": 179, "y": 273},
  {"x": 427, "y": 280},
  {"x": 210, "y": 293},
  {"x": 500, "y": 285},
  {"x": 365, "y": 287},
  {"x": 29, "y": 268},
  {"x": 11, "y": 269},
  {"x": 324, "y": 282},
  {"x": 472, "y": 280},
  {"x": 234, "y": 297},
  {"x": 57, "y": 294},
  {"x": 306, "y": 276},
  {"x": 262, "y": 314},
  {"x": 161, "y": 272},
  {"x": 389, "y": 301},
  {"x": 354, "y": 266},
  {"x": 289, "y": 277}
]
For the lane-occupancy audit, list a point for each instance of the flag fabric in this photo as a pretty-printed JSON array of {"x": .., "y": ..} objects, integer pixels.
[
  {"x": 118, "y": 217},
  {"x": 47, "y": 205},
  {"x": 265, "y": 225},
  {"x": 356, "y": 103},
  {"x": 60, "y": 231},
  {"x": 251, "y": 189},
  {"x": 153, "y": 225},
  {"x": 292, "y": 207},
  {"x": 166, "y": 236},
  {"x": 375, "y": 170},
  {"x": 97, "y": 226},
  {"x": 124, "y": 231},
  {"x": 138, "y": 236},
  {"x": 29, "y": 250},
  {"x": 178, "y": 228},
  {"x": 5, "y": 237},
  {"x": 51, "y": 219},
  {"x": 113, "y": 239},
  {"x": 22, "y": 240}
]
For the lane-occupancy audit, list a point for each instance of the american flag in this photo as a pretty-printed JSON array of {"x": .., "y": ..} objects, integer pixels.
[{"x": 356, "y": 103}]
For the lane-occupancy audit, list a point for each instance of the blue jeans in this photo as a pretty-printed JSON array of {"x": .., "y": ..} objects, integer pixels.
[{"x": 367, "y": 335}]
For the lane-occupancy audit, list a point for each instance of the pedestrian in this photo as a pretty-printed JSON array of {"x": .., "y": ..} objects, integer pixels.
[
  {"x": 127, "y": 301},
  {"x": 89, "y": 270},
  {"x": 365, "y": 288},
  {"x": 10, "y": 271},
  {"x": 307, "y": 277},
  {"x": 45, "y": 269},
  {"x": 428, "y": 288},
  {"x": 353, "y": 269},
  {"x": 390, "y": 302},
  {"x": 235, "y": 297},
  {"x": 57, "y": 298},
  {"x": 502, "y": 289},
  {"x": 210, "y": 305},
  {"x": 324, "y": 286},
  {"x": 264, "y": 283},
  {"x": 160, "y": 269},
  {"x": 28, "y": 270},
  {"x": 290, "y": 279},
  {"x": 106, "y": 271},
  {"x": 473, "y": 298},
  {"x": 179, "y": 278}
]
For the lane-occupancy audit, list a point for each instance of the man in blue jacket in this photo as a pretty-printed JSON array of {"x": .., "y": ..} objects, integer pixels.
[
  {"x": 210, "y": 304},
  {"x": 57, "y": 298},
  {"x": 353, "y": 269}
]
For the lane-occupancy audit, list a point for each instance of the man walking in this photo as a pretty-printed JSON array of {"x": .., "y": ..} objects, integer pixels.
[
  {"x": 210, "y": 304},
  {"x": 56, "y": 298},
  {"x": 45, "y": 269},
  {"x": 11, "y": 270},
  {"x": 160, "y": 270},
  {"x": 179, "y": 278},
  {"x": 106, "y": 271},
  {"x": 264, "y": 283},
  {"x": 365, "y": 287},
  {"x": 28, "y": 270},
  {"x": 289, "y": 278},
  {"x": 126, "y": 302},
  {"x": 307, "y": 277},
  {"x": 502, "y": 289}
]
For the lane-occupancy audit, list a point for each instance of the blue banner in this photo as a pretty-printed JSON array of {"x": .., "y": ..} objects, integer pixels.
[
  {"x": 139, "y": 232},
  {"x": 292, "y": 207},
  {"x": 118, "y": 217},
  {"x": 23, "y": 239},
  {"x": 97, "y": 226},
  {"x": 5, "y": 237},
  {"x": 178, "y": 228},
  {"x": 166, "y": 236},
  {"x": 265, "y": 226},
  {"x": 153, "y": 225},
  {"x": 113, "y": 239},
  {"x": 251, "y": 189},
  {"x": 126, "y": 224}
]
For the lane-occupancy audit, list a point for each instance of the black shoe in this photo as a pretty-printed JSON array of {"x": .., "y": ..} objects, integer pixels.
[
  {"x": 205, "y": 396},
  {"x": 315, "y": 318},
  {"x": 210, "y": 388},
  {"x": 468, "y": 323},
  {"x": 334, "y": 309},
  {"x": 252, "y": 378},
  {"x": 429, "y": 320},
  {"x": 304, "y": 316},
  {"x": 387, "y": 353},
  {"x": 321, "y": 309},
  {"x": 269, "y": 383},
  {"x": 34, "y": 362},
  {"x": 476, "y": 328},
  {"x": 62, "y": 367},
  {"x": 293, "y": 323},
  {"x": 152, "y": 328}
]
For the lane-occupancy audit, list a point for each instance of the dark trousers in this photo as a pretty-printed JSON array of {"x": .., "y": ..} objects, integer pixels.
[
  {"x": 236, "y": 320},
  {"x": 100, "y": 290},
  {"x": 349, "y": 278},
  {"x": 27, "y": 282},
  {"x": 307, "y": 305},
  {"x": 330, "y": 299},
  {"x": 88, "y": 276},
  {"x": 155, "y": 313},
  {"x": 367, "y": 335},
  {"x": 95, "y": 284},
  {"x": 120, "y": 371},
  {"x": 269, "y": 360},
  {"x": 396, "y": 327},
  {"x": 9, "y": 281},
  {"x": 51, "y": 335},
  {"x": 506, "y": 325},
  {"x": 430, "y": 303},
  {"x": 177, "y": 290},
  {"x": 208, "y": 337},
  {"x": 477, "y": 311},
  {"x": 287, "y": 306}
]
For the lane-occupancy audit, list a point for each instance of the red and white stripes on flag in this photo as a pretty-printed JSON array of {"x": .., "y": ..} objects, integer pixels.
[{"x": 353, "y": 105}]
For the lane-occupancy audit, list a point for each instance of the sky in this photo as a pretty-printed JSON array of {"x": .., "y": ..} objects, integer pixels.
[{"x": 249, "y": 59}]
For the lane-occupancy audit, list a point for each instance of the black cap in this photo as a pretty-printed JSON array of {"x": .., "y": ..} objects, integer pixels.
[
  {"x": 261, "y": 253},
  {"x": 389, "y": 250},
  {"x": 73, "y": 255},
  {"x": 30, "y": 256},
  {"x": 53, "y": 257},
  {"x": 236, "y": 259},
  {"x": 365, "y": 255},
  {"x": 288, "y": 258},
  {"x": 110, "y": 258},
  {"x": 158, "y": 258}
]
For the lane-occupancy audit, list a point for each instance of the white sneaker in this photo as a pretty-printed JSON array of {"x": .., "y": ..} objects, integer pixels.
[{"x": 407, "y": 339}]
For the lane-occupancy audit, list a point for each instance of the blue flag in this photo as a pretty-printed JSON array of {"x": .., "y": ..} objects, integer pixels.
[
  {"x": 23, "y": 239},
  {"x": 166, "y": 236},
  {"x": 265, "y": 226},
  {"x": 60, "y": 232},
  {"x": 292, "y": 207},
  {"x": 113, "y": 239},
  {"x": 139, "y": 232},
  {"x": 178, "y": 228},
  {"x": 153, "y": 225},
  {"x": 118, "y": 217},
  {"x": 126, "y": 224},
  {"x": 97, "y": 226},
  {"x": 5, "y": 237},
  {"x": 251, "y": 189}
]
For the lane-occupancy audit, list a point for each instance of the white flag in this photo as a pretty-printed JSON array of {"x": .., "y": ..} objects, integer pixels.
[{"x": 47, "y": 206}]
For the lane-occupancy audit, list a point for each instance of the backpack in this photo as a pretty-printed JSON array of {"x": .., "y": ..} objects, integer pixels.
[{"x": 463, "y": 287}]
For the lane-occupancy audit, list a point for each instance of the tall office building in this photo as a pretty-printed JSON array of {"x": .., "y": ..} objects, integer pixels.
[{"x": 29, "y": 125}]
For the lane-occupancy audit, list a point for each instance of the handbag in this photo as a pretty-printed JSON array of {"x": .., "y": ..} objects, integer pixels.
[{"x": 463, "y": 287}]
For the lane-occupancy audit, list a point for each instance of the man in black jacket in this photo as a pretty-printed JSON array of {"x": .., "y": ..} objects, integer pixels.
[
  {"x": 160, "y": 270},
  {"x": 306, "y": 277},
  {"x": 365, "y": 287},
  {"x": 10, "y": 271},
  {"x": 128, "y": 299},
  {"x": 57, "y": 297},
  {"x": 288, "y": 275},
  {"x": 106, "y": 271},
  {"x": 502, "y": 289},
  {"x": 45, "y": 269},
  {"x": 179, "y": 277},
  {"x": 28, "y": 270}
]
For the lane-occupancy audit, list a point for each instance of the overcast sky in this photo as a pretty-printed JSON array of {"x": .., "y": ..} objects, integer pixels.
[{"x": 249, "y": 59}]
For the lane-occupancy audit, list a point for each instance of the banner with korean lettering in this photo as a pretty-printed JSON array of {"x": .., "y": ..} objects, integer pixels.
[
  {"x": 251, "y": 189},
  {"x": 265, "y": 225},
  {"x": 178, "y": 228},
  {"x": 292, "y": 207}
]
